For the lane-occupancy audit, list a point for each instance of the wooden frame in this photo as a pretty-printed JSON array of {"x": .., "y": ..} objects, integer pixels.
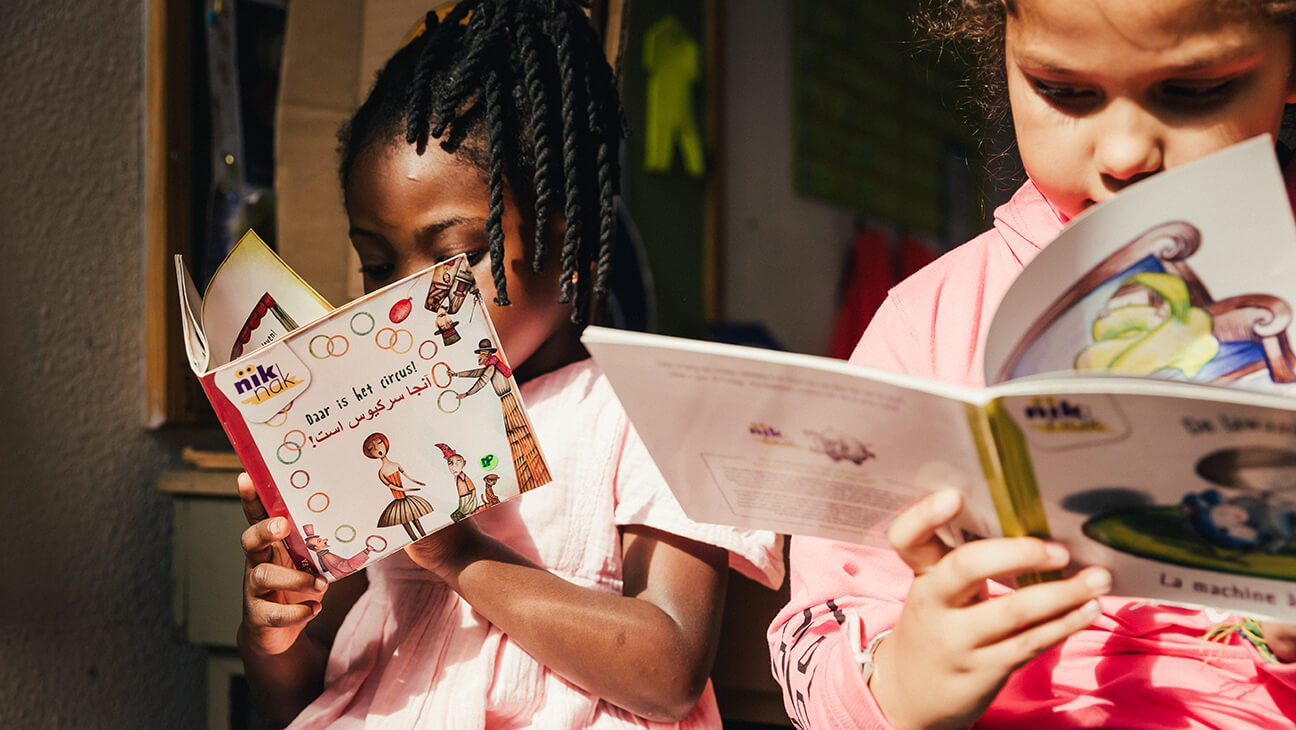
[{"x": 172, "y": 395}]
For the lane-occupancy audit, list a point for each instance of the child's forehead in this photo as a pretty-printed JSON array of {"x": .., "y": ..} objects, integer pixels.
[
  {"x": 1142, "y": 42},
  {"x": 1151, "y": 25}
]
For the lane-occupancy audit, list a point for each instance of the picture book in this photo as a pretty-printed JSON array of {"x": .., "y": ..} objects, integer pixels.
[
  {"x": 368, "y": 426},
  {"x": 1138, "y": 409}
]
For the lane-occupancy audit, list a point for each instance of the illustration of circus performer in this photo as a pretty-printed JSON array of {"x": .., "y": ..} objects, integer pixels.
[
  {"x": 331, "y": 563},
  {"x": 530, "y": 467},
  {"x": 452, "y": 288},
  {"x": 463, "y": 484},
  {"x": 405, "y": 508},
  {"x": 488, "y": 495},
  {"x": 1148, "y": 326},
  {"x": 446, "y": 326}
]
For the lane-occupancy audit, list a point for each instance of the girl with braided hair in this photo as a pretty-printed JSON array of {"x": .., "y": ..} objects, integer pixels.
[{"x": 592, "y": 602}]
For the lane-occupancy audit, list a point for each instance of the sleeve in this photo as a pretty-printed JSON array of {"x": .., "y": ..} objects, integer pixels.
[
  {"x": 812, "y": 657},
  {"x": 642, "y": 498}
]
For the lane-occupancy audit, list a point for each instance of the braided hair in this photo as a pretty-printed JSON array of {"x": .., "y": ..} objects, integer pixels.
[{"x": 521, "y": 90}]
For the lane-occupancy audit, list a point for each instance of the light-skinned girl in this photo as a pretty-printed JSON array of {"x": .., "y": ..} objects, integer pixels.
[
  {"x": 589, "y": 602},
  {"x": 1102, "y": 93}
]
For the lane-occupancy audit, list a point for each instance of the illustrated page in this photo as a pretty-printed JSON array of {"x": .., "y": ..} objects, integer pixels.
[
  {"x": 1189, "y": 275},
  {"x": 791, "y": 443},
  {"x": 254, "y": 299},
  {"x": 1187, "y": 499},
  {"x": 391, "y": 418}
]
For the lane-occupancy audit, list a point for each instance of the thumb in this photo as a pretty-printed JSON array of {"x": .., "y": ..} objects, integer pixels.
[{"x": 913, "y": 533}]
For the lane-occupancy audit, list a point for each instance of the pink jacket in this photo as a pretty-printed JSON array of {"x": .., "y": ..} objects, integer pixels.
[{"x": 1138, "y": 665}]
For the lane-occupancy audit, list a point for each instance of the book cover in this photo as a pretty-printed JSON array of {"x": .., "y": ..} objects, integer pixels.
[{"x": 367, "y": 426}]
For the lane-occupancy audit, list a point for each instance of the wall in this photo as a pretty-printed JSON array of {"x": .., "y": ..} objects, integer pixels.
[
  {"x": 87, "y": 637},
  {"x": 781, "y": 254}
]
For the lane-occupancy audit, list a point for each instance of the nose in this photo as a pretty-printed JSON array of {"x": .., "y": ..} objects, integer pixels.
[{"x": 1130, "y": 145}]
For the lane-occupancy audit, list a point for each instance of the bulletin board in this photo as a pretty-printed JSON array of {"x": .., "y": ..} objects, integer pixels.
[{"x": 877, "y": 121}]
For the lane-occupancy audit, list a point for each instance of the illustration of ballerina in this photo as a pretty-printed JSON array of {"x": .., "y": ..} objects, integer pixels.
[
  {"x": 530, "y": 467},
  {"x": 405, "y": 508}
]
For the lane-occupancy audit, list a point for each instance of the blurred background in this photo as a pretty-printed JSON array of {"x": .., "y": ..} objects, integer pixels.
[{"x": 789, "y": 161}]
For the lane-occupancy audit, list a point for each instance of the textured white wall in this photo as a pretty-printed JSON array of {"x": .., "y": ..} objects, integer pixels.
[
  {"x": 782, "y": 254},
  {"x": 86, "y": 637}
]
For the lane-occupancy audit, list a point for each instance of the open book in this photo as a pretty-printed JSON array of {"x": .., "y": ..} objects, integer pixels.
[
  {"x": 1107, "y": 424},
  {"x": 367, "y": 426}
]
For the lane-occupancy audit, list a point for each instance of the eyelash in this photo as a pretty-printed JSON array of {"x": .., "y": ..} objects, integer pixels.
[
  {"x": 1070, "y": 97},
  {"x": 383, "y": 272}
]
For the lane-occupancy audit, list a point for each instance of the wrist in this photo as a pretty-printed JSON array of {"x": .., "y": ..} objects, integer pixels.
[{"x": 450, "y": 551}]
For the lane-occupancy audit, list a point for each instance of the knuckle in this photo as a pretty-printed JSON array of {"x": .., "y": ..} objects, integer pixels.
[
  {"x": 1017, "y": 613},
  {"x": 1033, "y": 549},
  {"x": 275, "y": 616},
  {"x": 249, "y": 540},
  {"x": 1028, "y": 645},
  {"x": 962, "y": 562},
  {"x": 260, "y": 574}
]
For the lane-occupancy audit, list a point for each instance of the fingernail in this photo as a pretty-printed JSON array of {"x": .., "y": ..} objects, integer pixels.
[
  {"x": 320, "y": 584},
  {"x": 1057, "y": 554},
  {"x": 277, "y": 524},
  {"x": 1098, "y": 579},
  {"x": 1091, "y": 609},
  {"x": 946, "y": 501}
]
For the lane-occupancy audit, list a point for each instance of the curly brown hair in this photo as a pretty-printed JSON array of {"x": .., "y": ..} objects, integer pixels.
[{"x": 976, "y": 29}]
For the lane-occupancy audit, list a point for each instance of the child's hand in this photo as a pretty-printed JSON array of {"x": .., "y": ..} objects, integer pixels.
[
  {"x": 278, "y": 599},
  {"x": 952, "y": 644},
  {"x": 1281, "y": 638}
]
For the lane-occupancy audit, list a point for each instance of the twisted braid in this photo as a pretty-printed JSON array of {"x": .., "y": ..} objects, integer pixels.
[
  {"x": 543, "y": 177},
  {"x": 420, "y": 102},
  {"x": 521, "y": 90},
  {"x": 572, "y": 210},
  {"x": 494, "y": 219}
]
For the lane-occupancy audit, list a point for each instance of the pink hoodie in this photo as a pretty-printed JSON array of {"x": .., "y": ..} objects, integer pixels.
[{"x": 1137, "y": 666}]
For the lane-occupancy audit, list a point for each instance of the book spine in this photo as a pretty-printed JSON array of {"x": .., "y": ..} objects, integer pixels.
[
  {"x": 241, "y": 439},
  {"x": 1006, "y": 461}
]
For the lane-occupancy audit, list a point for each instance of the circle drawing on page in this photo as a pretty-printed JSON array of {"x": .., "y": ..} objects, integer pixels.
[
  {"x": 369, "y": 543},
  {"x": 330, "y": 348},
  {"x": 313, "y": 502},
  {"x": 367, "y": 330},
  {"x": 449, "y": 375},
  {"x": 425, "y": 343},
  {"x": 348, "y": 530},
  {"x": 281, "y": 415},
  {"x": 393, "y": 340},
  {"x": 293, "y": 479},
  {"x": 455, "y": 400},
  {"x": 294, "y": 452}
]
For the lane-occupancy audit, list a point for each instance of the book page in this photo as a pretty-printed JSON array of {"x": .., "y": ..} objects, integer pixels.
[
  {"x": 792, "y": 443},
  {"x": 1188, "y": 275},
  {"x": 1186, "y": 493},
  {"x": 254, "y": 299}
]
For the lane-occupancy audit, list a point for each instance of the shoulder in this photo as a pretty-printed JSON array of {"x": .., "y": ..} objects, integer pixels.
[{"x": 932, "y": 323}]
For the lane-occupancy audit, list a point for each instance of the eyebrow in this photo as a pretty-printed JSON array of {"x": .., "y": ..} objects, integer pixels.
[
  {"x": 431, "y": 230},
  {"x": 1231, "y": 59}
]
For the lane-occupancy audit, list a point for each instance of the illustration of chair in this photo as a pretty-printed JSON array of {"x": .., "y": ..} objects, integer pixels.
[{"x": 1251, "y": 328}]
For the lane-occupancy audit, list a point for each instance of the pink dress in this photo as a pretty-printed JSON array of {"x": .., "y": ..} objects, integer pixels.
[
  {"x": 1137, "y": 666},
  {"x": 413, "y": 654}
]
